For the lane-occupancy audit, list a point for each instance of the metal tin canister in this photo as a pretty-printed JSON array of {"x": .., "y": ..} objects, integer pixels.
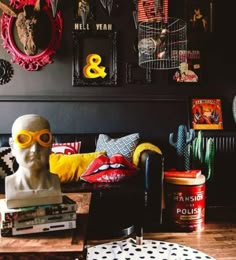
[{"x": 185, "y": 203}]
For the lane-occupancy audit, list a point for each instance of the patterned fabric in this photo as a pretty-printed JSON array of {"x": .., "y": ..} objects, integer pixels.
[
  {"x": 6, "y": 162},
  {"x": 66, "y": 148},
  {"x": 150, "y": 249},
  {"x": 124, "y": 145},
  {"x": 109, "y": 170}
]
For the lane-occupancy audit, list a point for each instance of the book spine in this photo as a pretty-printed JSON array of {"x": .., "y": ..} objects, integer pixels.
[
  {"x": 38, "y": 220},
  {"x": 39, "y": 212},
  {"x": 44, "y": 228},
  {"x": 6, "y": 232},
  {"x": 44, "y": 220}
]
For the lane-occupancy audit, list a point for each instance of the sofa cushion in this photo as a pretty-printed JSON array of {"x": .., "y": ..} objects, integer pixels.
[
  {"x": 66, "y": 148},
  {"x": 105, "y": 170},
  {"x": 124, "y": 145},
  {"x": 70, "y": 167},
  {"x": 6, "y": 162}
]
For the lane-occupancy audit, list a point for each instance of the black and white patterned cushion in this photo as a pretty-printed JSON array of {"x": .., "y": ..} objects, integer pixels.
[
  {"x": 124, "y": 145},
  {"x": 150, "y": 249},
  {"x": 6, "y": 162}
]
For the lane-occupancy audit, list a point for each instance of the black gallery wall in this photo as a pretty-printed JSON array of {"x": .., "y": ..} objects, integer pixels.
[{"x": 154, "y": 109}]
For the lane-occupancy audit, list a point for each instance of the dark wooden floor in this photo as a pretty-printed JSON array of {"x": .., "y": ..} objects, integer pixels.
[{"x": 218, "y": 239}]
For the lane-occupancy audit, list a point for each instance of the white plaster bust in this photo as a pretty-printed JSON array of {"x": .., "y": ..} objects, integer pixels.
[{"x": 32, "y": 184}]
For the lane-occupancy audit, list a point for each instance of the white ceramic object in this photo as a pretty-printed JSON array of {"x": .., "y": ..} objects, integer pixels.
[{"x": 234, "y": 108}]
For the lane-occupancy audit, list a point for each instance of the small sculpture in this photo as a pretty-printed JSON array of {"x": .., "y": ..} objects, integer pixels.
[
  {"x": 181, "y": 145},
  {"x": 32, "y": 184}
]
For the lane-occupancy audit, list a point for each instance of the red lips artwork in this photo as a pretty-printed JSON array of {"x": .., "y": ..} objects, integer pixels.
[{"x": 107, "y": 170}]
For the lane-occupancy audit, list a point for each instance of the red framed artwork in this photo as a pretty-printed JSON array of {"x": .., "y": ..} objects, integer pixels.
[
  {"x": 206, "y": 114},
  {"x": 49, "y": 26}
]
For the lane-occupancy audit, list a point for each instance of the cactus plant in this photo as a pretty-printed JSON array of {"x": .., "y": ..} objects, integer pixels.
[
  {"x": 199, "y": 161},
  {"x": 191, "y": 153},
  {"x": 181, "y": 145}
]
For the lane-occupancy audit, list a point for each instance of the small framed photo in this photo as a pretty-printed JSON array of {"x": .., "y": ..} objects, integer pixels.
[
  {"x": 206, "y": 114},
  {"x": 200, "y": 16},
  {"x": 190, "y": 69},
  {"x": 137, "y": 75}
]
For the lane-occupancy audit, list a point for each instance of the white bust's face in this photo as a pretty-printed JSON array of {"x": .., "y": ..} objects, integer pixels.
[{"x": 31, "y": 141}]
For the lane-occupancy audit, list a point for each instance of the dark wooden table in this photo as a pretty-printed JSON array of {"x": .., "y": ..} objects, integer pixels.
[{"x": 64, "y": 244}]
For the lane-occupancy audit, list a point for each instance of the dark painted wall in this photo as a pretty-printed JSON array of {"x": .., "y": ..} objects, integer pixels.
[{"x": 153, "y": 109}]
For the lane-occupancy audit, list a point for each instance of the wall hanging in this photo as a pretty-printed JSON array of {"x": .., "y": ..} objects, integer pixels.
[
  {"x": 6, "y": 71},
  {"x": 200, "y": 16},
  {"x": 30, "y": 33},
  {"x": 188, "y": 72},
  {"x": 94, "y": 59},
  {"x": 137, "y": 75},
  {"x": 107, "y": 5},
  {"x": 162, "y": 40},
  {"x": 206, "y": 114}
]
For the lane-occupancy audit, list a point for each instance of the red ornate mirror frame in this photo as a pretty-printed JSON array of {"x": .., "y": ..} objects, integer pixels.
[{"x": 31, "y": 63}]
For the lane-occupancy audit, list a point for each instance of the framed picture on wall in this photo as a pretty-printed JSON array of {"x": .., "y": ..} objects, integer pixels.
[
  {"x": 200, "y": 16},
  {"x": 189, "y": 71},
  {"x": 206, "y": 114},
  {"x": 94, "y": 59},
  {"x": 137, "y": 75}
]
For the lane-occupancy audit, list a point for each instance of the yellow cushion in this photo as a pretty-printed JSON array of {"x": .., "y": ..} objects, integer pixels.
[
  {"x": 142, "y": 147},
  {"x": 70, "y": 167}
]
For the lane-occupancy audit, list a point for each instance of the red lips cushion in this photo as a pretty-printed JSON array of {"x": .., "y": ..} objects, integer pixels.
[{"x": 105, "y": 169}]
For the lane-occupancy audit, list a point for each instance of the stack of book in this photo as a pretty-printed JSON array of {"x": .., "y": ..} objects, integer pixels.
[
  {"x": 182, "y": 174},
  {"x": 37, "y": 219}
]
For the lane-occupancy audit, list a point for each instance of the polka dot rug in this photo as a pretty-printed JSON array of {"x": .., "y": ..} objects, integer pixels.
[{"x": 150, "y": 249}]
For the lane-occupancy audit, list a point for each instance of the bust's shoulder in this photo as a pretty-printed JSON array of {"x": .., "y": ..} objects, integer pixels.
[
  {"x": 54, "y": 178},
  {"x": 11, "y": 177}
]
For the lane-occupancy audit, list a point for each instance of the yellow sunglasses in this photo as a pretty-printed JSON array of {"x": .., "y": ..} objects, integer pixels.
[{"x": 25, "y": 138}]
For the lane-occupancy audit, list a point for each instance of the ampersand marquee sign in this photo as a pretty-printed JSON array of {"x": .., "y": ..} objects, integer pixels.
[
  {"x": 11, "y": 42},
  {"x": 92, "y": 69}
]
